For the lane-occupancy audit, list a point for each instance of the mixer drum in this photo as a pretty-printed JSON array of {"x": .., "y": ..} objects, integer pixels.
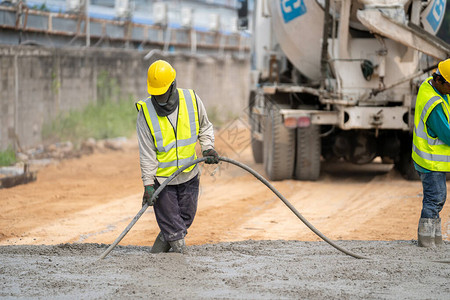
[{"x": 298, "y": 27}]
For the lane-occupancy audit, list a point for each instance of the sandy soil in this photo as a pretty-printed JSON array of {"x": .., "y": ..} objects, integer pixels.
[{"x": 91, "y": 200}]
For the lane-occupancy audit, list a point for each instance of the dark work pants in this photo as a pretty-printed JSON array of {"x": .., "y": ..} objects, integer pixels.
[{"x": 175, "y": 208}]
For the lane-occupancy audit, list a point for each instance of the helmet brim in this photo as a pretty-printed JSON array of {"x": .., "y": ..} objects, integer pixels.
[
  {"x": 443, "y": 68},
  {"x": 158, "y": 91}
]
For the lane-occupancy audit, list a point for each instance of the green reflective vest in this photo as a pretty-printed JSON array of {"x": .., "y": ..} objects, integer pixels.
[
  {"x": 174, "y": 147},
  {"x": 429, "y": 152}
]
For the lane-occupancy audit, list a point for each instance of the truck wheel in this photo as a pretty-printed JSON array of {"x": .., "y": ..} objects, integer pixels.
[
  {"x": 307, "y": 166},
  {"x": 405, "y": 167},
  {"x": 257, "y": 149},
  {"x": 255, "y": 124},
  {"x": 279, "y": 147},
  {"x": 404, "y": 163}
]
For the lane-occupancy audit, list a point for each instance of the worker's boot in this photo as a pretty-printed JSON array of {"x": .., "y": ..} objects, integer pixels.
[
  {"x": 179, "y": 246},
  {"x": 437, "y": 232},
  {"x": 160, "y": 245},
  {"x": 425, "y": 233}
]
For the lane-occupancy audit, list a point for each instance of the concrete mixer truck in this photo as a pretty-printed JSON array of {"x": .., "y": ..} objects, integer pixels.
[{"x": 337, "y": 79}]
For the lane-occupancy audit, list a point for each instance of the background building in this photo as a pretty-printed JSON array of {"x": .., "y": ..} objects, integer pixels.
[{"x": 191, "y": 25}]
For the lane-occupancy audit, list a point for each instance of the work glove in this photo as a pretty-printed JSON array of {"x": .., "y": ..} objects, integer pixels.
[
  {"x": 212, "y": 156},
  {"x": 149, "y": 190}
]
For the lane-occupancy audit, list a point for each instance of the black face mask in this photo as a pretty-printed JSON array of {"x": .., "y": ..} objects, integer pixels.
[
  {"x": 162, "y": 99},
  {"x": 169, "y": 100}
]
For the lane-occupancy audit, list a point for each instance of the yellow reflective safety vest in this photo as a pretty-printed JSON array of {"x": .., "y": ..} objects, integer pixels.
[
  {"x": 175, "y": 147},
  {"x": 429, "y": 152}
]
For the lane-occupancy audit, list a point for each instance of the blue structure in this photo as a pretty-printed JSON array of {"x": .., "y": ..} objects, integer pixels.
[{"x": 189, "y": 25}]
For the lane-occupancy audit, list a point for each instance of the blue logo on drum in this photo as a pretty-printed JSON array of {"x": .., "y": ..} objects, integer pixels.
[
  {"x": 436, "y": 14},
  {"x": 292, "y": 9}
]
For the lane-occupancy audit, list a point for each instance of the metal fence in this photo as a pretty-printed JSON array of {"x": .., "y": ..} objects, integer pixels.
[{"x": 22, "y": 25}]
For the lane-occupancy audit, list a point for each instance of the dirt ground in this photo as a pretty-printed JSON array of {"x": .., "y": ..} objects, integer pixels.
[
  {"x": 80, "y": 204},
  {"x": 93, "y": 198}
]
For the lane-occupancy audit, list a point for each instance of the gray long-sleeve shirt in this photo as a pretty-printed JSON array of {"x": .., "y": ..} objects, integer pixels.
[{"x": 147, "y": 149}]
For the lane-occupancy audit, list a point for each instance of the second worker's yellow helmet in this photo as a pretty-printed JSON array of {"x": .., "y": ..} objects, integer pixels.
[
  {"x": 160, "y": 76},
  {"x": 444, "y": 69}
]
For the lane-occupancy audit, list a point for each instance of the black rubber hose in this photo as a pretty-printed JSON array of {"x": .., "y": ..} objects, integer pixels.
[
  {"x": 259, "y": 177},
  {"x": 291, "y": 207},
  {"x": 297, "y": 213},
  {"x": 254, "y": 173}
]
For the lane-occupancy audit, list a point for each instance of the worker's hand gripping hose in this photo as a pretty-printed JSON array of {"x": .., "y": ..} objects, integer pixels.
[{"x": 254, "y": 173}]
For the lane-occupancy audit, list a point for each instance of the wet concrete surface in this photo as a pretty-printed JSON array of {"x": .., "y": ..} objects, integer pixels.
[{"x": 232, "y": 270}]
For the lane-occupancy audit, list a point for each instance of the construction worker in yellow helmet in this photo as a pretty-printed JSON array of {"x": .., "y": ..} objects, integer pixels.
[
  {"x": 431, "y": 151},
  {"x": 169, "y": 124}
]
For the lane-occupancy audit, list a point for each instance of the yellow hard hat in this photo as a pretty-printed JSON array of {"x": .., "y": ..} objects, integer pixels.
[
  {"x": 444, "y": 69},
  {"x": 160, "y": 76}
]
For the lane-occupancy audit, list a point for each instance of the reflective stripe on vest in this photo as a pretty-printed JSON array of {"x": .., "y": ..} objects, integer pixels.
[
  {"x": 174, "y": 148},
  {"x": 429, "y": 152}
]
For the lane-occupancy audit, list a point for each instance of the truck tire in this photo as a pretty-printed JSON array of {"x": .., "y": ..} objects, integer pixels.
[
  {"x": 279, "y": 147},
  {"x": 406, "y": 168},
  {"x": 404, "y": 162},
  {"x": 255, "y": 125},
  {"x": 307, "y": 164},
  {"x": 257, "y": 149}
]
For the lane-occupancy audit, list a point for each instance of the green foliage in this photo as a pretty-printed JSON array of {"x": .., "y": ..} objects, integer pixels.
[
  {"x": 42, "y": 7},
  {"x": 56, "y": 84},
  {"x": 214, "y": 116},
  {"x": 219, "y": 119},
  {"x": 107, "y": 87},
  {"x": 106, "y": 119},
  {"x": 7, "y": 157}
]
